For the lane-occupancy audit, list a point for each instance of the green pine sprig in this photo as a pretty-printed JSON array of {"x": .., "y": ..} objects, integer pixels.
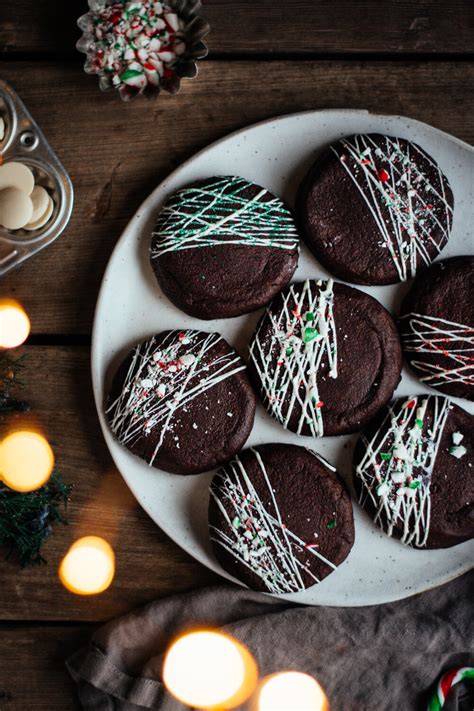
[
  {"x": 26, "y": 519},
  {"x": 10, "y": 377}
]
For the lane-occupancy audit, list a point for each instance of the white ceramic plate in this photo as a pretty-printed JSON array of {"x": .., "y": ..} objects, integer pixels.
[{"x": 275, "y": 154}]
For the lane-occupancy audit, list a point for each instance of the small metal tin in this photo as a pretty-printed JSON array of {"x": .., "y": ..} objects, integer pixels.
[{"x": 24, "y": 142}]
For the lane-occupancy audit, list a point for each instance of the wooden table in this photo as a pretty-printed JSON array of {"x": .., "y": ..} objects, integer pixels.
[{"x": 268, "y": 57}]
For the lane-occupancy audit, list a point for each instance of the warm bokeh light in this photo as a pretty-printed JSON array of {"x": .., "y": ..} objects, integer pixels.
[
  {"x": 88, "y": 567},
  {"x": 26, "y": 461},
  {"x": 205, "y": 669},
  {"x": 14, "y": 324},
  {"x": 291, "y": 691}
]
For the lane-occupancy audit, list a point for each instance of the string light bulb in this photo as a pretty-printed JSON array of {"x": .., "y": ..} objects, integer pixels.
[
  {"x": 88, "y": 567},
  {"x": 209, "y": 670},
  {"x": 14, "y": 324},
  {"x": 291, "y": 691},
  {"x": 26, "y": 461}
]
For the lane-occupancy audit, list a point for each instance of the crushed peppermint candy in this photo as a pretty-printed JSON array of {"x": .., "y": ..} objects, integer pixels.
[
  {"x": 187, "y": 359},
  {"x": 383, "y": 489},
  {"x": 135, "y": 45},
  {"x": 458, "y": 450}
]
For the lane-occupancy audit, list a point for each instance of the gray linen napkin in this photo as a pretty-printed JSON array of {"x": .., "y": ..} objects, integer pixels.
[{"x": 377, "y": 658}]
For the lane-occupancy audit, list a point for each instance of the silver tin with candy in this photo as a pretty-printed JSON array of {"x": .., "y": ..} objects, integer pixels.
[
  {"x": 23, "y": 143},
  {"x": 141, "y": 47}
]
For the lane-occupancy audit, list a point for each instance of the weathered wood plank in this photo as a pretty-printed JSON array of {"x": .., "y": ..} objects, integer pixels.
[
  {"x": 32, "y": 673},
  {"x": 117, "y": 153},
  {"x": 269, "y": 26},
  {"x": 149, "y": 565}
]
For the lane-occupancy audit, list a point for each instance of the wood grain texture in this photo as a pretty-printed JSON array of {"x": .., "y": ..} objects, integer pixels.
[
  {"x": 117, "y": 153},
  {"x": 267, "y": 26},
  {"x": 149, "y": 565},
  {"x": 32, "y": 673}
]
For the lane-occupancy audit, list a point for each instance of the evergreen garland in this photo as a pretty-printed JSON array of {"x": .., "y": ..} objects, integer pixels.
[{"x": 26, "y": 519}]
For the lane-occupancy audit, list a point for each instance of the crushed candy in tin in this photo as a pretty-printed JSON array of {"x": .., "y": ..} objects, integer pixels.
[{"x": 143, "y": 46}]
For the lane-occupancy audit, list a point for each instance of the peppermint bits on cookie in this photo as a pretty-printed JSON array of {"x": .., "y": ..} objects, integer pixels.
[{"x": 170, "y": 399}]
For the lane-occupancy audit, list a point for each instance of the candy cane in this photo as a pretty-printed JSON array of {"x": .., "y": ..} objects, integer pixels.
[{"x": 445, "y": 684}]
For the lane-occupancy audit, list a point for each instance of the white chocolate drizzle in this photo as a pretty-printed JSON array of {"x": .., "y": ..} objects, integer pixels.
[
  {"x": 436, "y": 336},
  {"x": 161, "y": 380},
  {"x": 219, "y": 214},
  {"x": 255, "y": 534},
  {"x": 405, "y": 205},
  {"x": 303, "y": 338},
  {"x": 397, "y": 466}
]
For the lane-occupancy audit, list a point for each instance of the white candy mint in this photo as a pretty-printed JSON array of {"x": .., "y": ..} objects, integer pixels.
[
  {"x": 155, "y": 44},
  {"x": 166, "y": 56},
  {"x": 172, "y": 20},
  {"x": 457, "y": 437}
]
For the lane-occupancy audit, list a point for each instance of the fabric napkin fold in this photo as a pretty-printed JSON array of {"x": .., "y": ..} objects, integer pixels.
[{"x": 376, "y": 658}]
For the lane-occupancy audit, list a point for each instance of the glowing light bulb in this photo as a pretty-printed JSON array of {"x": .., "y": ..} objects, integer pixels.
[
  {"x": 209, "y": 670},
  {"x": 14, "y": 324},
  {"x": 291, "y": 691},
  {"x": 26, "y": 461},
  {"x": 88, "y": 567}
]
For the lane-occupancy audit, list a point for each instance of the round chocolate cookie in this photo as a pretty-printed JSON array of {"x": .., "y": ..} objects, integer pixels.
[
  {"x": 182, "y": 401},
  {"x": 375, "y": 209},
  {"x": 223, "y": 247},
  {"x": 280, "y": 519},
  {"x": 437, "y": 327},
  {"x": 325, "y": 358},
  {"x": 413, "y": 471}
]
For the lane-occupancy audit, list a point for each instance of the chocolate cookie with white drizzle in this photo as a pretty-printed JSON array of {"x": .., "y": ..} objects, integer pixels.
[
  {"x": 280, "y": 519},
  {"x": 375, "y": 209},
  {"x": 182, "y": 401},
  {"x": 325, "y": 358},
  {"x": 437, "y": 326},
  {"x": 223, "y": 247},
  {"x": 414, "y": 474}
]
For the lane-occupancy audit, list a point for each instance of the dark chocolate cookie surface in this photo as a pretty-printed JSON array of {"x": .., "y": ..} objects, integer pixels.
[
  {"x": 437, "y": 327},
  {"x": 414, "y": 473},
  {"x": 325, "y": 358},
  {"x": 223, "y": 247},
  {"x": 280, "y": 519},
  {"x": 182, "y": 401},
  {"x": 375, "y": 209}
]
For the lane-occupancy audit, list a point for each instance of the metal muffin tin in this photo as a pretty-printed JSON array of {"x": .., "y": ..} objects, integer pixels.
[{"x": 24, "y": 142}]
